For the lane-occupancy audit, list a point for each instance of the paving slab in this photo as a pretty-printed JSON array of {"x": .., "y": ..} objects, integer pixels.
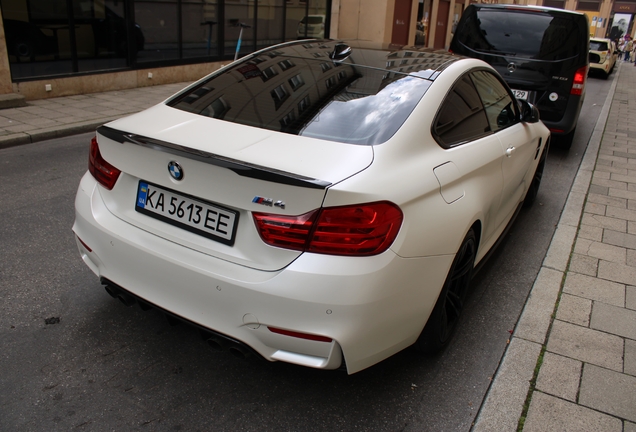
[
  {"x": 607, "y": 200},
  {"x": 587, "y": 345},
  {"x": 601, "y": 250},
  {"x": 604, "y": 222},
  {"x": 575, "y": 310},
  {"x": 595, "y": 289},
  {"x": 548, "y": 413},
  {"x": 616, "y": 272},
  {"x": 630, "y": 297},
  {"x": 614, "y": 320},
  {"x": 590, "y": 232},
  {"x": 619, "y": 239},
  {"x": 630, "y": 357},
  {"x": 608, "y": 391},
  {"x": 559, "y": 376},
  {"x": 583, "y": 264}
]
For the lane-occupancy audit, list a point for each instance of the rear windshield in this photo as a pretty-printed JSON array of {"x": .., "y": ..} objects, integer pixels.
[
  {"x": 313, "y": 98},
  {"x": 534, "y": 35},
  {"x": 598, "y": 46}
]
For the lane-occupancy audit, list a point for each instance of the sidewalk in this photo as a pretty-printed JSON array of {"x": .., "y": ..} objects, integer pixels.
[
  {"x": 572, "y": 355},
  {"x": 64, "y": 116}
]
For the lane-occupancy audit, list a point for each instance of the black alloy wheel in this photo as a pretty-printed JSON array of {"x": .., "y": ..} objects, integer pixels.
[{"x": 443, "y": 320}]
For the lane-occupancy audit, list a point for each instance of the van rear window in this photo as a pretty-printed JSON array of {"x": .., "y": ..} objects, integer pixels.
[{"x": 534, "y": 35}]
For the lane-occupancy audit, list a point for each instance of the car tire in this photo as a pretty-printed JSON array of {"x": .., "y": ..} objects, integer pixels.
[
  {"x": 533, "y": 190},
  {"x": 442, "y": 322}
]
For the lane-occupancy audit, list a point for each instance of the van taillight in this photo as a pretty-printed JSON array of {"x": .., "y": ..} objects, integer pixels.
[
  {"x": 579, "y": 81},
  {"x": 355, "y": 230},
  {"x": 104, "y": 173}
]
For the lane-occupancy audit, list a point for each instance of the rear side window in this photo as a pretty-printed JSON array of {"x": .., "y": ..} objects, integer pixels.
[
  {"x": 477, "y": 105},
  {"x": 461, "y": 117},
  {"x": 534, "y": 35},
  {"x": 501, "y": 109}
]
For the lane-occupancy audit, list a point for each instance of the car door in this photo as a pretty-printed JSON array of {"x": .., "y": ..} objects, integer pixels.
[
  {"x": 515, "y": 137},
  {"x": 473, "y": 172}
]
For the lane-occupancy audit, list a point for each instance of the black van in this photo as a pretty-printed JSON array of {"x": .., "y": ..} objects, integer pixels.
[{"x": 541, "y": 52}]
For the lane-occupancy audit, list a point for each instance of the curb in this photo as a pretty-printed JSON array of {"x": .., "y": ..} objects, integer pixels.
[
  {"x": 504, "y": 402},
  {"x": 21, "y": 138}
]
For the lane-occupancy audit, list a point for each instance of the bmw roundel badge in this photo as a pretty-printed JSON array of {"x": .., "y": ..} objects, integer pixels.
[{"x": 175, "y": 170}]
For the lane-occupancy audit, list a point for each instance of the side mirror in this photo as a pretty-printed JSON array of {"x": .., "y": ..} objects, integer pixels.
[{"x": 529, "y": 113}]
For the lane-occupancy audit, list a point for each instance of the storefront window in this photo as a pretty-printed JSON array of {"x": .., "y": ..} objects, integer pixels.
[
  {"x": 271, "y": 24},
  {"x": 46, "y": 38},
  {"x": 200, "y": 24},
  {"x": 239, "y": 22},
  {"x": 305, "y": 19},
  {"x": 159, "y": 21}
]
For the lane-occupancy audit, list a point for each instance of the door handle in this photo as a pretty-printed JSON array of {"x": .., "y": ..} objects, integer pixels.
[{"x": 510, "y": 151}]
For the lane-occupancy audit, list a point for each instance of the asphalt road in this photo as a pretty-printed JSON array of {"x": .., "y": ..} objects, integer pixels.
[{"x": 73, "y": 358}]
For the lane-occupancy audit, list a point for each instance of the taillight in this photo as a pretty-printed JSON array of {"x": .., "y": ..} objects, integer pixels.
[
  {"x": 104, "y": 173},
  {"x": 579, "y": 81},
  {"x": 355, "y": 230}
]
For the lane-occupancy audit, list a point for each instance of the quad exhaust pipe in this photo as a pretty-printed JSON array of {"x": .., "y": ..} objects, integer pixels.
[{"x": 222, "y": 343}]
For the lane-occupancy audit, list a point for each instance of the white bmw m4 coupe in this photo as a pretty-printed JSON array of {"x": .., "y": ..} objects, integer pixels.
[{"x": 322, "y": 203}]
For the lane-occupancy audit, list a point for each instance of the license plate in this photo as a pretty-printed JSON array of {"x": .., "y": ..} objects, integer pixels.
[
  {"x": 192, "y": 214},
  {"x": 520, "y": 94}
]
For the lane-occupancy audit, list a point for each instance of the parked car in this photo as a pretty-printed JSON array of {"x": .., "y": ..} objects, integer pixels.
[
  {"x": 311, "y": 27},
  {"x": 602, "y": 57},
  {"x": 541, "y": 52},
  {"x": 322, "y": 204}
]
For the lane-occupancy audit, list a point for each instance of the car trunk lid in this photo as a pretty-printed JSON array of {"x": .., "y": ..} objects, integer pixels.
[{"x": 235, "y": 169}]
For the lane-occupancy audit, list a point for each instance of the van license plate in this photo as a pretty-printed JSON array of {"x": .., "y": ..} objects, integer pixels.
[{"x": 520, "y": 94}]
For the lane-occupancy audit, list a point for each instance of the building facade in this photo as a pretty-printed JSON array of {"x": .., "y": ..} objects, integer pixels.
[{"x": 51, "y": 48}]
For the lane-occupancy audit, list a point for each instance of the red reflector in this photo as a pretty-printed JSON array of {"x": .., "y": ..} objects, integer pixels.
[
  {"x": 579, "y": 81},
  {"x": 104, "y": 173},
  {"x": 299, "y": 335},
  {"x": 356, "y": 230},
  {"x": 84, "y": 244},
  {"x": 557, "y": 130}
]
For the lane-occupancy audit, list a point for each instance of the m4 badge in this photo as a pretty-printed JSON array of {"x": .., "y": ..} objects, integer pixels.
[{"x": 268, "y": 202}]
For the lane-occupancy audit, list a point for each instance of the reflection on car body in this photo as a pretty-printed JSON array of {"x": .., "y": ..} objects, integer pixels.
[{"x": 353, "y": 187}]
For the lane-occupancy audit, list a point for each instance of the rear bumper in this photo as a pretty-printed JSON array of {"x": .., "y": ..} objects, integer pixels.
[
  {"x": 570, "y": 117},
  {"x": 369, "y": 307}
]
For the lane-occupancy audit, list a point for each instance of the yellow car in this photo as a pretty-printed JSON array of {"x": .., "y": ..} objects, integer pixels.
[{"x": 602, "y": 56}]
